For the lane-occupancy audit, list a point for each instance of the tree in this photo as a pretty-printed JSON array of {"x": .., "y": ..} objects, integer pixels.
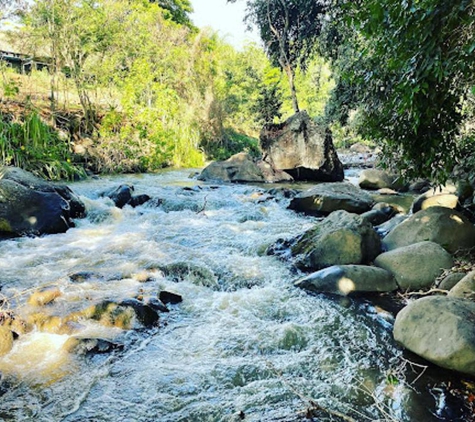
[
  {"x": 408, "y": 67},
  {"x": 176, "y": 10},
  {"x": 289, "y": 30}
]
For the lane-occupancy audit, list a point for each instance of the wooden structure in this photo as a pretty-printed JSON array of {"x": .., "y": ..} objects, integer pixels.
[{"x": 24, "y": 63}]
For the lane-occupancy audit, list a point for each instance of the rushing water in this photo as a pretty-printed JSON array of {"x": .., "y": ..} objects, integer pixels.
[{"x": 243, "y": 345}]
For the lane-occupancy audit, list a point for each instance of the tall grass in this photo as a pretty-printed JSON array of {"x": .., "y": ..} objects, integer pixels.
[{"x": 34, "y": 146}]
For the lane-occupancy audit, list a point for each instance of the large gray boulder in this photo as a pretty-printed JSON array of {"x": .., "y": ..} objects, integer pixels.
[
  {"x": 32, "y": 206},
  {"x": 241, "y": 168},
  {"x": 440, "y": 329},
  {"x": 342, "y": 238},
  {"x": 416, "y": 266},
  {"x": 445, "y": 196},
  {"x": 441, "y": 225},
  {"x": 345, "y": 280},
  {"x": 373, "y": 179},
  {"x": 465, "y": 288},
  {"x": 301, "y": 148},
  {"x": 325, "y": 198}
]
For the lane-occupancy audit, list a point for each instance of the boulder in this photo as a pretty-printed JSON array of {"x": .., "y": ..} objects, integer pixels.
[
  {"x": 439, "y": 329},
  {"x": 416, "y": 266},
  {"x": 342, "y": 238},
  {"x": 121, "y": 195},
  {"x": 373, "y": 179},
  {"x": 302, "y": 149},
  {"x": 376, "y": 217},
  {"x": 347, "y": 280},
  {"x": 169, "y": 297},
  {"x": 441, "y": 225},
  {"x": 450, "y": 281},
  {"x": 272, "y": 175},
  {"x": 465, "y": 288},
  {"x": 239, "y": 168},
  {"x": 445, "y": 196},
  {"x": 44, "y": 296},
  {"x": 325, "y": 198},
  {"x": 31, "y": 206}
]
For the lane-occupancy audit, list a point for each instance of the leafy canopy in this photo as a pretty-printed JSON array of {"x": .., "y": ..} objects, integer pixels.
[{"x": 408, "y": 67}]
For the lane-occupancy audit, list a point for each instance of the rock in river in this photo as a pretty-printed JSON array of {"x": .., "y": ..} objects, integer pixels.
[
  {"x": 441, "y": 225},
  {"x": 241, "y": 168},
  {"x": 325, "y": 198},
  {"x": 302, "y": 149},
  {"x": 416, "y": 266},
  {"x": 440, "y": 329},
  {"x": 31, "y": 206},
  {"x": 347, "y": 280},
  {"x": 342, "y": 238}
]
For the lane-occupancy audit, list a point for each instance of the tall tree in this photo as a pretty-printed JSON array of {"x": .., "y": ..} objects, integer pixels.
[
  {"x": 289, "y": 30},
  {"x": 408, "y": 67}
]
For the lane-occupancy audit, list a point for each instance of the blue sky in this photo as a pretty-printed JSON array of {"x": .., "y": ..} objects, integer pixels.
[{"x": 224, "y": 17}]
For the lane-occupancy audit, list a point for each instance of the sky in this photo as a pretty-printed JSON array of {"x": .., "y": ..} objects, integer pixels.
[{"x": 226, "y": 18}]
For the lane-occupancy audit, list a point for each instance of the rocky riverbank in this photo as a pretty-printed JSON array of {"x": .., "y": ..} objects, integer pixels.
[{"x": 354, "y": 247}]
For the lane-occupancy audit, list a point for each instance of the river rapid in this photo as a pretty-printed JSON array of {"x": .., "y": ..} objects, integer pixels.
[{"x": 244, "y": 344}]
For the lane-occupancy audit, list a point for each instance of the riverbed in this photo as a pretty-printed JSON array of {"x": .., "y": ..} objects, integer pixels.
[{"x": 244, "y": 344}]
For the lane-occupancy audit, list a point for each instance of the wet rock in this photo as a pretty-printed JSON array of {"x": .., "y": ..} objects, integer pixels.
[
  {"x": 14, "y": 322},
  {"x": 121, "y": 195},
  {"x": 419, "y": 186},
  {"x": 345, "y": 280},
  {"x": 441, "y": 225},
  {"x": 302, "y": 149},
  {"x": 390, "y": 225},
  {"x": 138, "y": 200},
  {"x": 157, "y": 305},
  {"x": 450, "y": 281},
  {"x": 44, "y": 296},
  {"x": 416, "y": 266},
  {"x": 376, "y": 217},
  {"x": 340, "y": 239},
  {"x": 373, "y": 179},
  {"x": 272, "y": 175},
  {"x": 283, "y": 192},
  {"x": 439, "y": 329},
  {"x": 169, "y": 297},
  {"x": 465, "y": 288},
  {"x": 199, "y": 275},
  {"x": 390, "y": 209},
  {"x": 239, "y": 168},
  {"x": 147, "y": 316},
  {"x": 445, "y": 196},
  {"x": 325, "y": 198},
  {"x": 31, "y": 206},
  {"x": 83, "y": 276},
  {"x": 53, "y": 324},
  {"x": 107, "y": 313},
  {"x": 83, "y": 346},
  {"x": 6, "y": 341}
]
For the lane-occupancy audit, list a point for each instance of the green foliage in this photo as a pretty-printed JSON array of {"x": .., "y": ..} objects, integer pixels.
[
  {"x": 34, "y": 146},
  {"x": 408, "y": 66},
  {"x": 176, "y": 10},
  {"x": 231, "y": 143},
  {"x": 288, "y": 29}
]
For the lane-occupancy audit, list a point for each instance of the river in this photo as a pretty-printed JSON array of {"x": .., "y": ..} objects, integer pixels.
[{"x": 243, "y": 345}]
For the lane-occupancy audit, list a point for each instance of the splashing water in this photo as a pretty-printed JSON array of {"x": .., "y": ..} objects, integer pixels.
[{"x": 244, "y": 343}]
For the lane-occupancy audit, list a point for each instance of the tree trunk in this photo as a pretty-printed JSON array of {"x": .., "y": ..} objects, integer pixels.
[{"x": 293, "y": 91}]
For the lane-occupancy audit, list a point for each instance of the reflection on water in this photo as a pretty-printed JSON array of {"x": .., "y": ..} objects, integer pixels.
[{"x": 244, "y": 343}]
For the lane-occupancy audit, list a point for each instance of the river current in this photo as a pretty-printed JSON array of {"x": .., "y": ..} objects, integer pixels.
[{"x": 244, "y": 344}]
